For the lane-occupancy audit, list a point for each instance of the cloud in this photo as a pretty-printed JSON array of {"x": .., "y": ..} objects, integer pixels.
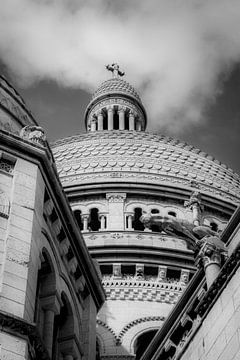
[{"x": 173, "y": 51}]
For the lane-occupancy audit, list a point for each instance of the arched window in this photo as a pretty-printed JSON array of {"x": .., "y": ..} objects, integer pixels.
[
  {"x": 46, "y": 280},
  {"x": 126, "y": 124},
  {"x": 94, "y": 223},
  {"x": 142, "y": 343},
  {"x": 172, "y": 213},
  {"x": 214, "y": 226},
  {"x": 77, "y": 214},
  {"x": 137, "y": 224},
  {"x": 105, "y": 121},
  {"x": 63, "y": 328},
  {"x": 115, "y": 121}
]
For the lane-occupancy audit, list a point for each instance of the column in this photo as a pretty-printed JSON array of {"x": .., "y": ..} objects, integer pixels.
[
  {"x": 100, "y": 120},
  {"x": 48, "y": 329},
  {"x": 102, "y": 221},
  {"x": 212, "y": 252},
  {"x": 195, "y": 205},
  {"x": 51, "y": 306},
  {"x": 110, "y": 117},
  {"x": 93, "y": 125},
  {"x": 121, "y": 114},
  {"x": 85, "y": 222},
  {"x": 131, "y": 120},
  {"x": 129, "y": 222}
]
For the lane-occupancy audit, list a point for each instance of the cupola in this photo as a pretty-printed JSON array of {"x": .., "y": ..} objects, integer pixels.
[{"x": 115, "y": 105}]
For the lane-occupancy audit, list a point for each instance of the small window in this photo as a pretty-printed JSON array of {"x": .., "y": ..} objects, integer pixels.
[
  {"x": 137, "y": 224},
  {"x": 105, "y": 122},
  {"x": 172, "y": 213},
  {"x": 126, "y": 121},
  {"x": 94, "y": 223},
  {"x": 213, "y": 226},
  {"x": 115, "y": 121},
  {"x": 155, "y": 211}
]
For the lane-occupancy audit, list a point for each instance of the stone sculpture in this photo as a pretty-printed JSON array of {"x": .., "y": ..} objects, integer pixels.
[{"x": 34, "y": 133}]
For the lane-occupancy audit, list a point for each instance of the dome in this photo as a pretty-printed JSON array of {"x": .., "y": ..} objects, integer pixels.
[
  {"x": 142, "y": 158},
  {"x": 115, "y": 105},
  {"x": 13, "y": 110},
  {"x": 116, "y": 86}
]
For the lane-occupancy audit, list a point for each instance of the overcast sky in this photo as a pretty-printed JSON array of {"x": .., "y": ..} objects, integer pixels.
[{"x": 182, "y": 57}]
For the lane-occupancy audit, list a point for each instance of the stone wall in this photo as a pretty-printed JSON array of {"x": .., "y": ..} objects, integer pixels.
[{"x": 219, "y": 336}]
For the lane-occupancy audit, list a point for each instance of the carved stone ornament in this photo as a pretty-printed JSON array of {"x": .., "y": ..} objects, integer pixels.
[
  {"x": 212, "y": 251},
  {"x": 18, "y": 326},
  {"x": 116, "y": 197},
  {"x": 34, "y": 134},
  {"x": 195, "y": 199}
]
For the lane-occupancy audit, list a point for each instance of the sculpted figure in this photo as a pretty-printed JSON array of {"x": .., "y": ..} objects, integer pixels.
[
  {"x": 173, "y": 226},
  {"x": 34, "y": 133}
]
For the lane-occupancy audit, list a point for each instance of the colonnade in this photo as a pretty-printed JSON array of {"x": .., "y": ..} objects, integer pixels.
[
  {"x": 105, "y": 119},
  {"x": 85, "y": 222}
]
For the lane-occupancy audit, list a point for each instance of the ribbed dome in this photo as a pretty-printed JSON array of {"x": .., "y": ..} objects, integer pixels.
[
  {"x": 140, "y": 157},
  {"x": 116, "y": 86}
]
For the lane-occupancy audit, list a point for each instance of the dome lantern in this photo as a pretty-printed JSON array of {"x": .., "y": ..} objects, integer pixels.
[{"x": 115, "y": 105}]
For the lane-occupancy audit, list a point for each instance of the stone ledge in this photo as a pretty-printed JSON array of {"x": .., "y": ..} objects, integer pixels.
[{"x": 19, "y": 327}]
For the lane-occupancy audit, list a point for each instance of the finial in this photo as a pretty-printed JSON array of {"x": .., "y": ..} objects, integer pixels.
[{"x": 114, "y": 68}]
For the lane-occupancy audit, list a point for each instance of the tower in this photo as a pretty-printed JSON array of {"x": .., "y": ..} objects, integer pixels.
[{"x": 134, "y": 196}]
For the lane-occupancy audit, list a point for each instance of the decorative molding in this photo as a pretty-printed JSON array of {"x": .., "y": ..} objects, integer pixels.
[
  {"x": 136, "y": 322},
  {"x": 118, "y": 338},
  {"x": 106, "y": 174},
  {"x": 20, "y": 327},
  {"x": 142, "y": 290},
  {"x": 116, "y": 197}
]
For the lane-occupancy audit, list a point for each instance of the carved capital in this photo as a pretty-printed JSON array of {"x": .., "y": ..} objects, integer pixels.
[
  {"x": 99, "y": 113},
  {"x": 116, "y": 197},
  {"x": 110, "y": 108},
  {"x": 121, "y": 109},
  {"x": 132, "y": 113}
]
